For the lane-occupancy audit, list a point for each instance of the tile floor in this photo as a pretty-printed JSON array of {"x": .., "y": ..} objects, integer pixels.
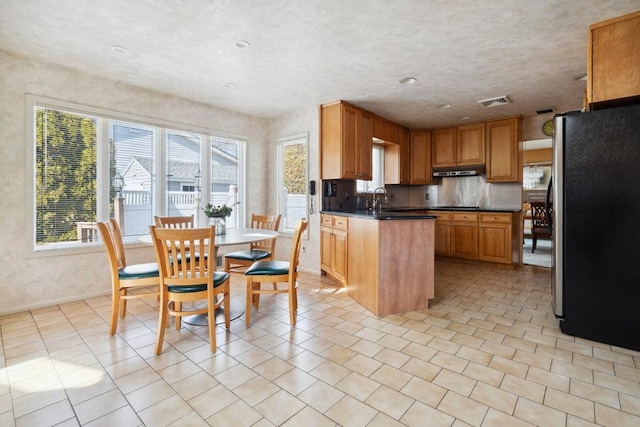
[{"x": 487, "y": 353}]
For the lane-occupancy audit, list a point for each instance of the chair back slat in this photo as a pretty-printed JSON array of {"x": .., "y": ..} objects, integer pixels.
[
  {"x": 186, "y": 255},
  {"x": 174, "y": 221},
  {"x": 265, "y": 222}
]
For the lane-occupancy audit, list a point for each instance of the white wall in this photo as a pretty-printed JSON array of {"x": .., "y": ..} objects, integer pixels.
[{"x": 27, "y": 282}]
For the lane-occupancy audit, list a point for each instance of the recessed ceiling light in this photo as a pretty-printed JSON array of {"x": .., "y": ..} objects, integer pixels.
[
  {"x": 580, "y": 78},
  {"x": 445, "y": 106},
  {"x": 241, "y": 44},
  {"x": 408, "y": 81},
  {"x": 119, "y": 49},
  {"x": 230, "y": 86},
  {"x": 465, "y": 118}
]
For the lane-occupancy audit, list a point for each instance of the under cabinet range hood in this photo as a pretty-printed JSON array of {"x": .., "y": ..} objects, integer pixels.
[{"x": 459, "y": 172}]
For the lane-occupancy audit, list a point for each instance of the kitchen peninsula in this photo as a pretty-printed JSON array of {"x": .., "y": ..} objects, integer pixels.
[{"x": 387, "y": 261}]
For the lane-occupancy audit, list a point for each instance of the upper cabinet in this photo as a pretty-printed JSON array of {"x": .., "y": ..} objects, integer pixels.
[
  {"x": 470, "y": 144},
  {"x": 613, "y": 67},
  {"x": 459, "y": 146},
  {"x": 443, "y": 148},
  {"x": 419, "y": 164},
  {"x": 504, "y": 162},
  {"x": 385, "y": 130},
  {"x": 345, "y": 142}
]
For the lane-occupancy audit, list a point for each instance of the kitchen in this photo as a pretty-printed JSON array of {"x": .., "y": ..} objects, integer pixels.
[
  {"x": 452, "y": 159},
  {"x": 492, "y": 369}
]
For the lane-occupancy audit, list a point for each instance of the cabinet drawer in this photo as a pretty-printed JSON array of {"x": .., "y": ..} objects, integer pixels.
[
  {"x": 495, "y": 218},
  {"x": 464, "y": 216},
  {"x": 326, "y": 220},
  {"x": 340, "y": 223},
  {"x": 440, "y": 215}
]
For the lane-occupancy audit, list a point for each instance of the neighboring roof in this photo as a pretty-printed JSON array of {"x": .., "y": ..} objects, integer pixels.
[{"x": 224, "y": 170}]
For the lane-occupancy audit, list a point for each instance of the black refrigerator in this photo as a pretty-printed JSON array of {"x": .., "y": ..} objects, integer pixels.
[{"x": 595, "y": 281}]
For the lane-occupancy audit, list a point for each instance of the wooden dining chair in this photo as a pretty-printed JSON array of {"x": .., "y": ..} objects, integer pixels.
[
  {"x": 174, "y": 221},
  {"x": 125, "y": 277},
  {"x": 234, "y": 262},
  {"x": 541, "y": 223},
  {"x": 186, "y": 276},
  {"x": 275, "y": 272}
]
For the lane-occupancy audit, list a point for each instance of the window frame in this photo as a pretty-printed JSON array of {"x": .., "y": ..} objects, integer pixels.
[
  {"x": 104, "y": 117},
  {"x": 281, "y": 143}
]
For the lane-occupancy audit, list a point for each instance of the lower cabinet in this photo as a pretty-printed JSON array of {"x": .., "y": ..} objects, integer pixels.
[
  {"x": 483, "y": 236},
  {"x": 464, "y": 235},
  {"x": 333, "y": 243}
]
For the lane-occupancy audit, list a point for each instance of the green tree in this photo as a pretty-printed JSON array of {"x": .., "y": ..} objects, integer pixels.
[
  {"x": 65, "y": 174},
  {"x": 295, "y": 168}
]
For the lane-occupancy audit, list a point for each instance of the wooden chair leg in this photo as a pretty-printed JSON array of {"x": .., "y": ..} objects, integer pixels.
[
  {"x": 211, "y": 315},
  {"x": 227, "y": 308},
  {"x": 249, "y": 299},
  {"x": 178, "y": 307},
  {"x": 292, "y": 304},
  {"x": 123, "y": 303},
  {"x": 115, "y": 307},
  {"x": 162, "y": 324}
]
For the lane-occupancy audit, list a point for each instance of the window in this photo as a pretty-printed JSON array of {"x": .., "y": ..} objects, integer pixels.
[
  {"x": 292, "y": 181},
  {"x": 377, "y": 174},
  {"x": 90, "y": 165}
]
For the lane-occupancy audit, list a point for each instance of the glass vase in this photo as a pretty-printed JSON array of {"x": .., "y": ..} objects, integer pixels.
[{"x": 221, "y": 224}]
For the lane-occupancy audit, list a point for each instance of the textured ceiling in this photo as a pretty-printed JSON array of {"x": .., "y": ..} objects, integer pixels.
[{"x": 308, "y": 52}]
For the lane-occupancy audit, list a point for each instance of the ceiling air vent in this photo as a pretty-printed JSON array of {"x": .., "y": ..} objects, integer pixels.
[{"x": 494, "y": 102}]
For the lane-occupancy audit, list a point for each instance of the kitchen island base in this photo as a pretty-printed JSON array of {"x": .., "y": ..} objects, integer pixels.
[{"x": 391, "y": 264}]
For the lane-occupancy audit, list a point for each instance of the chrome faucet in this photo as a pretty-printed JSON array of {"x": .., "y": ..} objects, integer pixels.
[{"x": 376, "y": 198}]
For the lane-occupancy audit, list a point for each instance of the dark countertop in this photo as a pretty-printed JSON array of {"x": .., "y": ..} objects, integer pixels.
[
  {"x": 384, "y": 215},
  {"x": 469, "y": 209},
  {"x": 415, "y": 213}
]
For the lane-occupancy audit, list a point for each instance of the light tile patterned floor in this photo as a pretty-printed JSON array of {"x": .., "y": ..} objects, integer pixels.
[{"x": 487, "y": 353}]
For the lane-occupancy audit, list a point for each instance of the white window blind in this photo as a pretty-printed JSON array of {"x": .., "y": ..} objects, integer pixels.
[{"x": 65, "y": 177}]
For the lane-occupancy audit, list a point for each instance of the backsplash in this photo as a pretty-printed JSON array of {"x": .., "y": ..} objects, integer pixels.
[{"x": 465, "y": 191}]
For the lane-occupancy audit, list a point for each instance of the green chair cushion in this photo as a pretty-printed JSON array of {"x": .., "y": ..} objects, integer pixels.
[
  {"x": 249, "y": 255},
  {"x": 139, "y": 271},
  {"x": 268, "y": 268},
  {"x": 219, "y": 278}
]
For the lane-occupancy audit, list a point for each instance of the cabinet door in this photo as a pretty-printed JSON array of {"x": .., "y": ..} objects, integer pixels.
[
  {"x": 326, "y": 249},
  {"x": 441, "y": 245},
  {"x": 464, "y": 240},
  {"x": 503, "y": 151},
  {"x": 443, "y": 147},
  {"x": 614, "y": 55},
  {"x": 340, "y": 255},
  {"x": 471, "y": 147},
  {"x": 420, "y": 171},
  {"x": 364, "y": 145},
  {"x": 494, "y": 242},
  {"x": 405, "y": 156},
  {"x": 350, "y": 121}
]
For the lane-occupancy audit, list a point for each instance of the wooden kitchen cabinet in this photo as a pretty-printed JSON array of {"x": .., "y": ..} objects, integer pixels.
[
  {"x": 464, "y": 235},
  {"x": 484, "y": 236},
  {"x": 460, "y": 146},
  {"x": 333, "y": 246},
  {"x": 443, "y": 147},
  {"x": 494, "y": 237},
  {"x": 420, "y": 158},
  {"x": 613, "y": 59},
  {"x": 345, "y": 142},
  {"x": 442, "y": 235},
  {"x": 470, "y": 145},
  {"x": 504, "y": 161},
  {"x": 385, "y": 130}
]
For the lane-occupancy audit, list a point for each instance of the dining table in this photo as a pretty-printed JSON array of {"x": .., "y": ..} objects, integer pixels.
[{"x": 232, "y": 237}]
